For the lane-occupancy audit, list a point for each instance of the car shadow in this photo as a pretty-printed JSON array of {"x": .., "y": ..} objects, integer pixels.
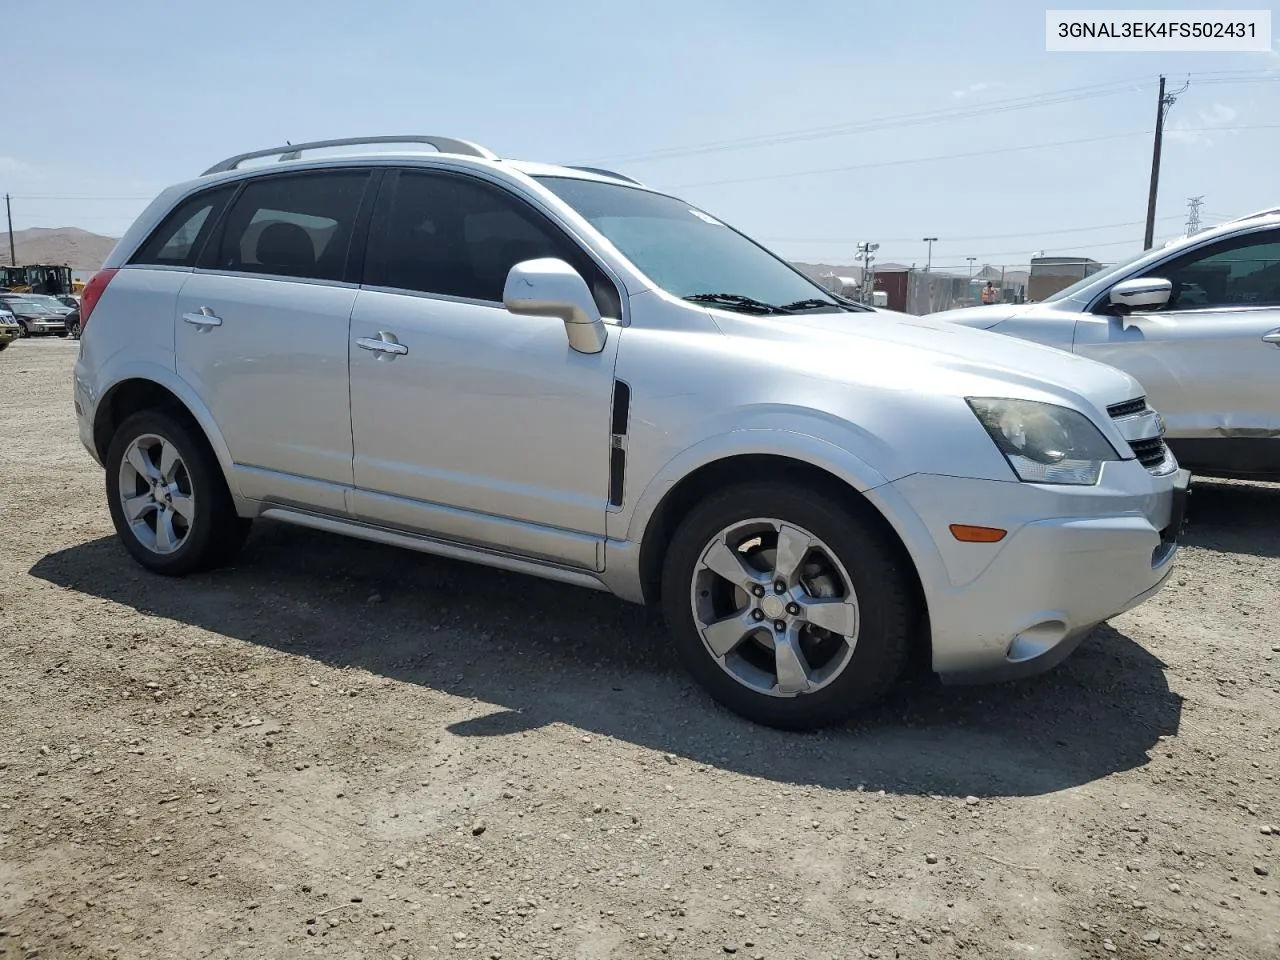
[
  {"x": 1234, "y": 517},
  {"x": 545, "y": 653}
]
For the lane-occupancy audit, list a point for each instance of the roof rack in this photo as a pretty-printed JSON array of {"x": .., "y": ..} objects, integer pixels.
[
  {"x": 293, "y": 151},
  {"x": 608, "y": 173},
  {"x": 1270, "y": 211}
]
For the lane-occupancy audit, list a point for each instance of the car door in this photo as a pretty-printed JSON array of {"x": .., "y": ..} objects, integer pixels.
[
  {"x": 482, "y": 426},
  {"x": 1210, "y": 358},
  {"x": 262, "y": 333}
]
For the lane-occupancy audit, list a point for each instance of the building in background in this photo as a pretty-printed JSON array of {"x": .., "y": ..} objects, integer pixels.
[{"x": 1051, "y": 274}]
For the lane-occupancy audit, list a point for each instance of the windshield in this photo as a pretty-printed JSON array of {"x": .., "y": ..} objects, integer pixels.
[
  {"x": 687, "y": 252},
  {"x": 48, "y": 302},
  {"x": 24, "y": 308}
]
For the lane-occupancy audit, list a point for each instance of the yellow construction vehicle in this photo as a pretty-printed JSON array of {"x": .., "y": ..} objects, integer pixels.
[{"x": 46, "y": 278}]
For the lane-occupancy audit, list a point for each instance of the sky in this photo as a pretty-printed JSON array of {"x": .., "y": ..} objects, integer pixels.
[{"x": 809, "y": 125}]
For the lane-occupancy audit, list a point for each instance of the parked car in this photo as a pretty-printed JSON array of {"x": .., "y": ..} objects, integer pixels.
[
  {"x": 1198, "y": 323},
  {"x": 50, "y": 303},
  {"x": 72, "y": 321},
  {"x": 68, "y": 300},
  {"x": 558, "y": 371},
  {"x": 9, "y": 329},
  {"x": 34, "y": 318}
]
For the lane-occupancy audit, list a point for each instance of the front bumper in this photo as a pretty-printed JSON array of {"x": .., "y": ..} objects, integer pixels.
[
  {"x": 47, "y": 326},
  {"x": 8, "y": 333},
  {"x": 1073, "y": 557}
]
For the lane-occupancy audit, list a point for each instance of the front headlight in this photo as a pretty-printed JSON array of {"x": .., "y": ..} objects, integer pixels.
[{"x": 1045, "y": 443}]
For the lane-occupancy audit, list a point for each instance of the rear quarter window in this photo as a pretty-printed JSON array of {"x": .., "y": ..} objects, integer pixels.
[{"x": 178, "y": 240}]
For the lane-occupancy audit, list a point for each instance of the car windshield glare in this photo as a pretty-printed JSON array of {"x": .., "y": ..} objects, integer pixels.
[{"x": 687, "y": 252}]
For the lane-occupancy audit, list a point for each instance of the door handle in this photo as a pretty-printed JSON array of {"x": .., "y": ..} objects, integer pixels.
[
  {"x": 203, "y": 318},
  {"x": 1272, "y": 338},
  {"x": 384, "y": 343}
]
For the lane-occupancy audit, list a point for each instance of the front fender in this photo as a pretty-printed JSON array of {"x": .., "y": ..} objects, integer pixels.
[{"x": 790, "y": 443}]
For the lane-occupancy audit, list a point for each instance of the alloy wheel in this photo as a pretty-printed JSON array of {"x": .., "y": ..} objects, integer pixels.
[
  {"x": 775, "y": 607},
  {"x": 156, "y": 494}
]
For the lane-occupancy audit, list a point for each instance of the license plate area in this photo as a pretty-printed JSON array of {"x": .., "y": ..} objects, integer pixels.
[{"x": 1178, "y": 508}]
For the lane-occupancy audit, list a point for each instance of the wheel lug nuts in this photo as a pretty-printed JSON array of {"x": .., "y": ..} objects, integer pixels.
[
  {"x": 779, "y": 626},
  {"x": 757, "y": 614},
  {"x": 793, "y": 608},
  {"x": 758, "y": 590},
  {"x": 779, "y": 587}
]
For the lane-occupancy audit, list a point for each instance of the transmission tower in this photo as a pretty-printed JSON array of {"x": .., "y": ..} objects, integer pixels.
[{"x": 1193, "y": 214}]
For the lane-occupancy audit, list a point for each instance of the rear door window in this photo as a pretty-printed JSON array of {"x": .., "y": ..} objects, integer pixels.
[{"x": 299, "y": 225}]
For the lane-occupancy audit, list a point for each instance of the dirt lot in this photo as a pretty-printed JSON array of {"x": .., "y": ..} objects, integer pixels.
[{"x": 340, "y": 749}]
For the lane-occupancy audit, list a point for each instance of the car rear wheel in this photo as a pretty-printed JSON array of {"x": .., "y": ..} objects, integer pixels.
[
  {"x": 789, "y": 608},
  {"x": 168, "y": 498}
]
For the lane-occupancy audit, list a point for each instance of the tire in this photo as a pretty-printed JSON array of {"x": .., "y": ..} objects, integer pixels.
[
  {"x": 23, "y": 329},
  {"x": 202, "y": 529},
  {"x": 858, "y": 560}
]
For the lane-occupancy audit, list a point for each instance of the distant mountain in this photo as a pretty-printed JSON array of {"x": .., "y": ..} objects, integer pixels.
[{"x": 78, "y": 249}]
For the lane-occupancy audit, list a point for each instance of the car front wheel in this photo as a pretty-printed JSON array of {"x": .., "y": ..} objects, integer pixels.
[
  {"x": 168, "y": 498},
  {"x": 23, "y": 329},
  {"x": 790, "y": 608}
]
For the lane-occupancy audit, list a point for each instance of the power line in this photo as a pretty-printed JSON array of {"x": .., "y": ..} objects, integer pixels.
[
  {"x": 990, "y": 236},
  {"x": 1049, "y": 98},
  {"x": 899, "y": 162},
  {"x": 958, "y": 156},
  {"x": 1069, "y": 95}
]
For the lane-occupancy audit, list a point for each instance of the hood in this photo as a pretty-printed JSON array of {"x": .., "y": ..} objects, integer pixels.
[
  {"x": 984, "y": 317},
  {"x": 927, "y": 354}
]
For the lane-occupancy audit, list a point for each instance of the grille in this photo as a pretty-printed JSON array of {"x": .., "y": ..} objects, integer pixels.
[
  {"x": 1150, "y": 453},
  {"x": 1129, "y": 408}
]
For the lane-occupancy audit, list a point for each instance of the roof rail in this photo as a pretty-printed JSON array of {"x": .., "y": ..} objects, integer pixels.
[
  {"x": 608, "y": 173},
  {"x": 1270, "y": 211},
  {"x": 293, "y": 151}
]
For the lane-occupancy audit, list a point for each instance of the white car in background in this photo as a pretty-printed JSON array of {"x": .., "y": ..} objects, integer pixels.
[{"x": 1197, "y": 323}]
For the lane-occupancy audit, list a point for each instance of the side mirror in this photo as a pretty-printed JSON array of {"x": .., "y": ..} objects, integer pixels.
[
  {"x": 1136, "y": 294},
  {"x": 552, "y": 288}
]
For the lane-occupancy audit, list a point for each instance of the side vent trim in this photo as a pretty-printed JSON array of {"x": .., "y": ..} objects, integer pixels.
[{"x": 618, "y": 441}]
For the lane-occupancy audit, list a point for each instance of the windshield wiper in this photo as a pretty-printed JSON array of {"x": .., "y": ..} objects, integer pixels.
[
  {"x": 735, "y": 301},
  {"x": 807, "y": 305}
]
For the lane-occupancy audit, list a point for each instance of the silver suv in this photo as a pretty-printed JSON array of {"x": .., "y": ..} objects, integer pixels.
[{"x": 557, "y": 371}]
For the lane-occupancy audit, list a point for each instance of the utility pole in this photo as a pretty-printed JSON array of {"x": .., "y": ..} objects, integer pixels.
[
  {"x": 1193, "y": 214},
  {"x": 971, "y": 263},
  {"x": 868, "y": 285},
  {"x": 929, "y": 263},
  {"x": 1163, "y": 103},
  {"x": 8, "y": 210}
]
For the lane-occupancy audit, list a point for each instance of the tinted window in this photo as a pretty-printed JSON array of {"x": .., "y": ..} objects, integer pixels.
[
  {"x": 292, "y": 226},
  {"x": 458, "y": 237},
  {"x": 680, "y": 248},
  {"x": 178, "y": 239},
  {"x": 1241, "y": 272}
]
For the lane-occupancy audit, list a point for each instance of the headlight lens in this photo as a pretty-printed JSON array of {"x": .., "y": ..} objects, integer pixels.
[{"x": 1045, "y": 443}]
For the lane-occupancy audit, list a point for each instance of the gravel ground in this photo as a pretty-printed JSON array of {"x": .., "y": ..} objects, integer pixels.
[{"x": 341, "y": 749}]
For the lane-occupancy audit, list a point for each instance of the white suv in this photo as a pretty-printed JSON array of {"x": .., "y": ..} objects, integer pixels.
[{"x": 557, "y": 371}]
